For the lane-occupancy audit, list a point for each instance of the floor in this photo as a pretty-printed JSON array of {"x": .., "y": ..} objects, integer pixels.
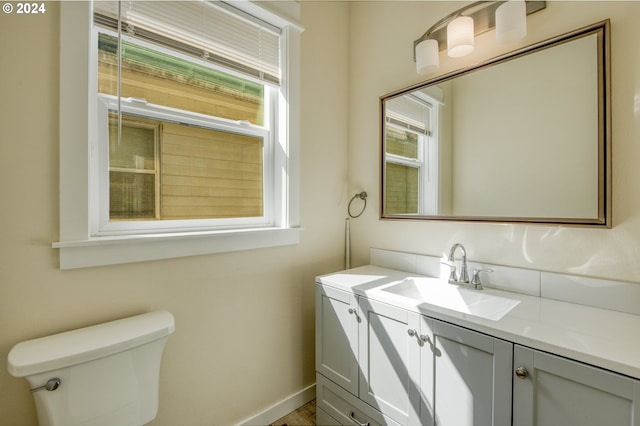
[{"x": 303, "y": 416}]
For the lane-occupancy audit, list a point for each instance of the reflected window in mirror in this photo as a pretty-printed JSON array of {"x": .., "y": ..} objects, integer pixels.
[{"x": 411, "y": 154}]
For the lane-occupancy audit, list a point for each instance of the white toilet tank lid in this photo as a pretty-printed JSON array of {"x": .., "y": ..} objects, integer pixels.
[{"x": 89, "y": 343}]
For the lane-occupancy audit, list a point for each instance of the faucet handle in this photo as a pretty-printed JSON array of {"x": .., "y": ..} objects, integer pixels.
[
  {"x": 453, "y": 277},
  {"x": 475, "y": 279}
]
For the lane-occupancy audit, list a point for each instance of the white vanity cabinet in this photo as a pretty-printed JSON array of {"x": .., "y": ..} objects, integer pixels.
[
  {"x": 413, "y": 370},
  {"x": 549, "y": 390},
  {"x": 438, "y": 356}
]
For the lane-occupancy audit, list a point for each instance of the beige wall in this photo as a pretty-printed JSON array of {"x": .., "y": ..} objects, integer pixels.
[
  {"x": 244, "y": 321},
  {"x": 381, "y": 62}
]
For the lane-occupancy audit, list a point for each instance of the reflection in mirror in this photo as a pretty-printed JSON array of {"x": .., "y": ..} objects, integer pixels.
[{"x": 520, "y": 138}]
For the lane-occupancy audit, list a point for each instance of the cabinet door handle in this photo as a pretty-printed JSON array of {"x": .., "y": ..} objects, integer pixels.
[
  {"x": 352, "y": 416},
  {"x": 522, "y": 373},
  {"x": 352, "y": 311},
  {"x": 422, "y": 339}
]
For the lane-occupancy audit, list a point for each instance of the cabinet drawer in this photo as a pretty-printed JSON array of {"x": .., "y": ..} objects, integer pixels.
[
  {"x": 324, "y": 419},
  {"x": 345, "y": 408}
]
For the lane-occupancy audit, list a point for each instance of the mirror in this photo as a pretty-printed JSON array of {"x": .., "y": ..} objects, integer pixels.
[{"x": 521, "y": 138}]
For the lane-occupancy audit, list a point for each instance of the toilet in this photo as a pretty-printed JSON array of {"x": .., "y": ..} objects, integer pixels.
[{"x": 103, "y": 375}]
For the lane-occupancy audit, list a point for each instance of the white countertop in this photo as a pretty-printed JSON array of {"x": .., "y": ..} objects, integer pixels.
[{"x": 604, "y": 338}]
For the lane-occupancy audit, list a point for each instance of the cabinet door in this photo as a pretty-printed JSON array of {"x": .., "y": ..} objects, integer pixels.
[
  {"x": 337, "y": 336},
  {"x": 472, "y": 378},
  {"x": 389, "y": 360},
  {"x": 550, "y": 390}
]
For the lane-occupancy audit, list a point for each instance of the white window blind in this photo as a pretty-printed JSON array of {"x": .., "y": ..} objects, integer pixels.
[
  {"x": 410, "y": 113},
  {"x": 210, "y": 30}
]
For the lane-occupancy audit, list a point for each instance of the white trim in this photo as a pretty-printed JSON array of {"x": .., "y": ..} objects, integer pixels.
[
  {"x": 139, "y": 248},
  {"x": 290, "y": 78},
  {"x": 75, "y": 39},
  {"x": 279, "y": 13},
  {"x": 431, "y": 179},
  {"x": 281, "y": 408}
]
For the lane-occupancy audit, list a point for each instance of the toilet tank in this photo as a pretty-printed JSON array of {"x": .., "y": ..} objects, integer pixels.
[{"x": 108, "y": 373}]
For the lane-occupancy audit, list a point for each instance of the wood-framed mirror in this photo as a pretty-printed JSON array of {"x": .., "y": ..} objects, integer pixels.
[{"x": 525, "y": 137}]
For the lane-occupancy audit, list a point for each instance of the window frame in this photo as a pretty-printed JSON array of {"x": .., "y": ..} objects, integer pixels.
[{"x": 81, "y": 242}]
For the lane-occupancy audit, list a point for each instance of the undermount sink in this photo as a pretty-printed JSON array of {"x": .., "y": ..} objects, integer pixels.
[{"x": 464, "y": 300}]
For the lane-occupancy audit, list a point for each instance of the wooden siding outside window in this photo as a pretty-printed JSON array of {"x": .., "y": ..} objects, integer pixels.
[{"x": 209, "y": 174}]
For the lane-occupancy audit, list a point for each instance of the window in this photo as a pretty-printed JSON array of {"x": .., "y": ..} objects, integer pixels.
[
  {"x": 190, "y": 127},
  {"x": 411, "y": 155},
  {"x": 191, "y": 130}
]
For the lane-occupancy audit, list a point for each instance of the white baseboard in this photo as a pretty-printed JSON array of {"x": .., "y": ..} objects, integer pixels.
[{"x": 281, "y": 408}]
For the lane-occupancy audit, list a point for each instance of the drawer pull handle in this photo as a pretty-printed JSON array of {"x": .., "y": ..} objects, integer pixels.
[{"x": 352, "y": 416}]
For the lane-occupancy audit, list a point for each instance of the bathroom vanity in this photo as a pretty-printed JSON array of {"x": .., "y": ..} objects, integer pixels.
[{"x": 400, "y": 348}]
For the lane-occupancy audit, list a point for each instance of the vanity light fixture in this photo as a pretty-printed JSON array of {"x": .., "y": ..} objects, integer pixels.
[{"x": 509, "y": 18}]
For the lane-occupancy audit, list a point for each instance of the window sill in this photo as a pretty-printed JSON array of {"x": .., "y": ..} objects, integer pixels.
[{"x": 102, "y": 251}]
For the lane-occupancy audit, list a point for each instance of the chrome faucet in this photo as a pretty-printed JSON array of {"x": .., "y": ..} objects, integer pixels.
[{"x": 454, "y": 278}]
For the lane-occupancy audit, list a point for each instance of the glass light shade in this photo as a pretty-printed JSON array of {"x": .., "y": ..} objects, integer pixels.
[
  {"x": 460, "y": 37},
  {"x": 427, "y": 56},
  {"x": 511, "y": 21}
]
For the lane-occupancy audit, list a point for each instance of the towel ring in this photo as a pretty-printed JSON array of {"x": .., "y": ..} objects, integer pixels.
[{"x": 363, "y": 196}]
